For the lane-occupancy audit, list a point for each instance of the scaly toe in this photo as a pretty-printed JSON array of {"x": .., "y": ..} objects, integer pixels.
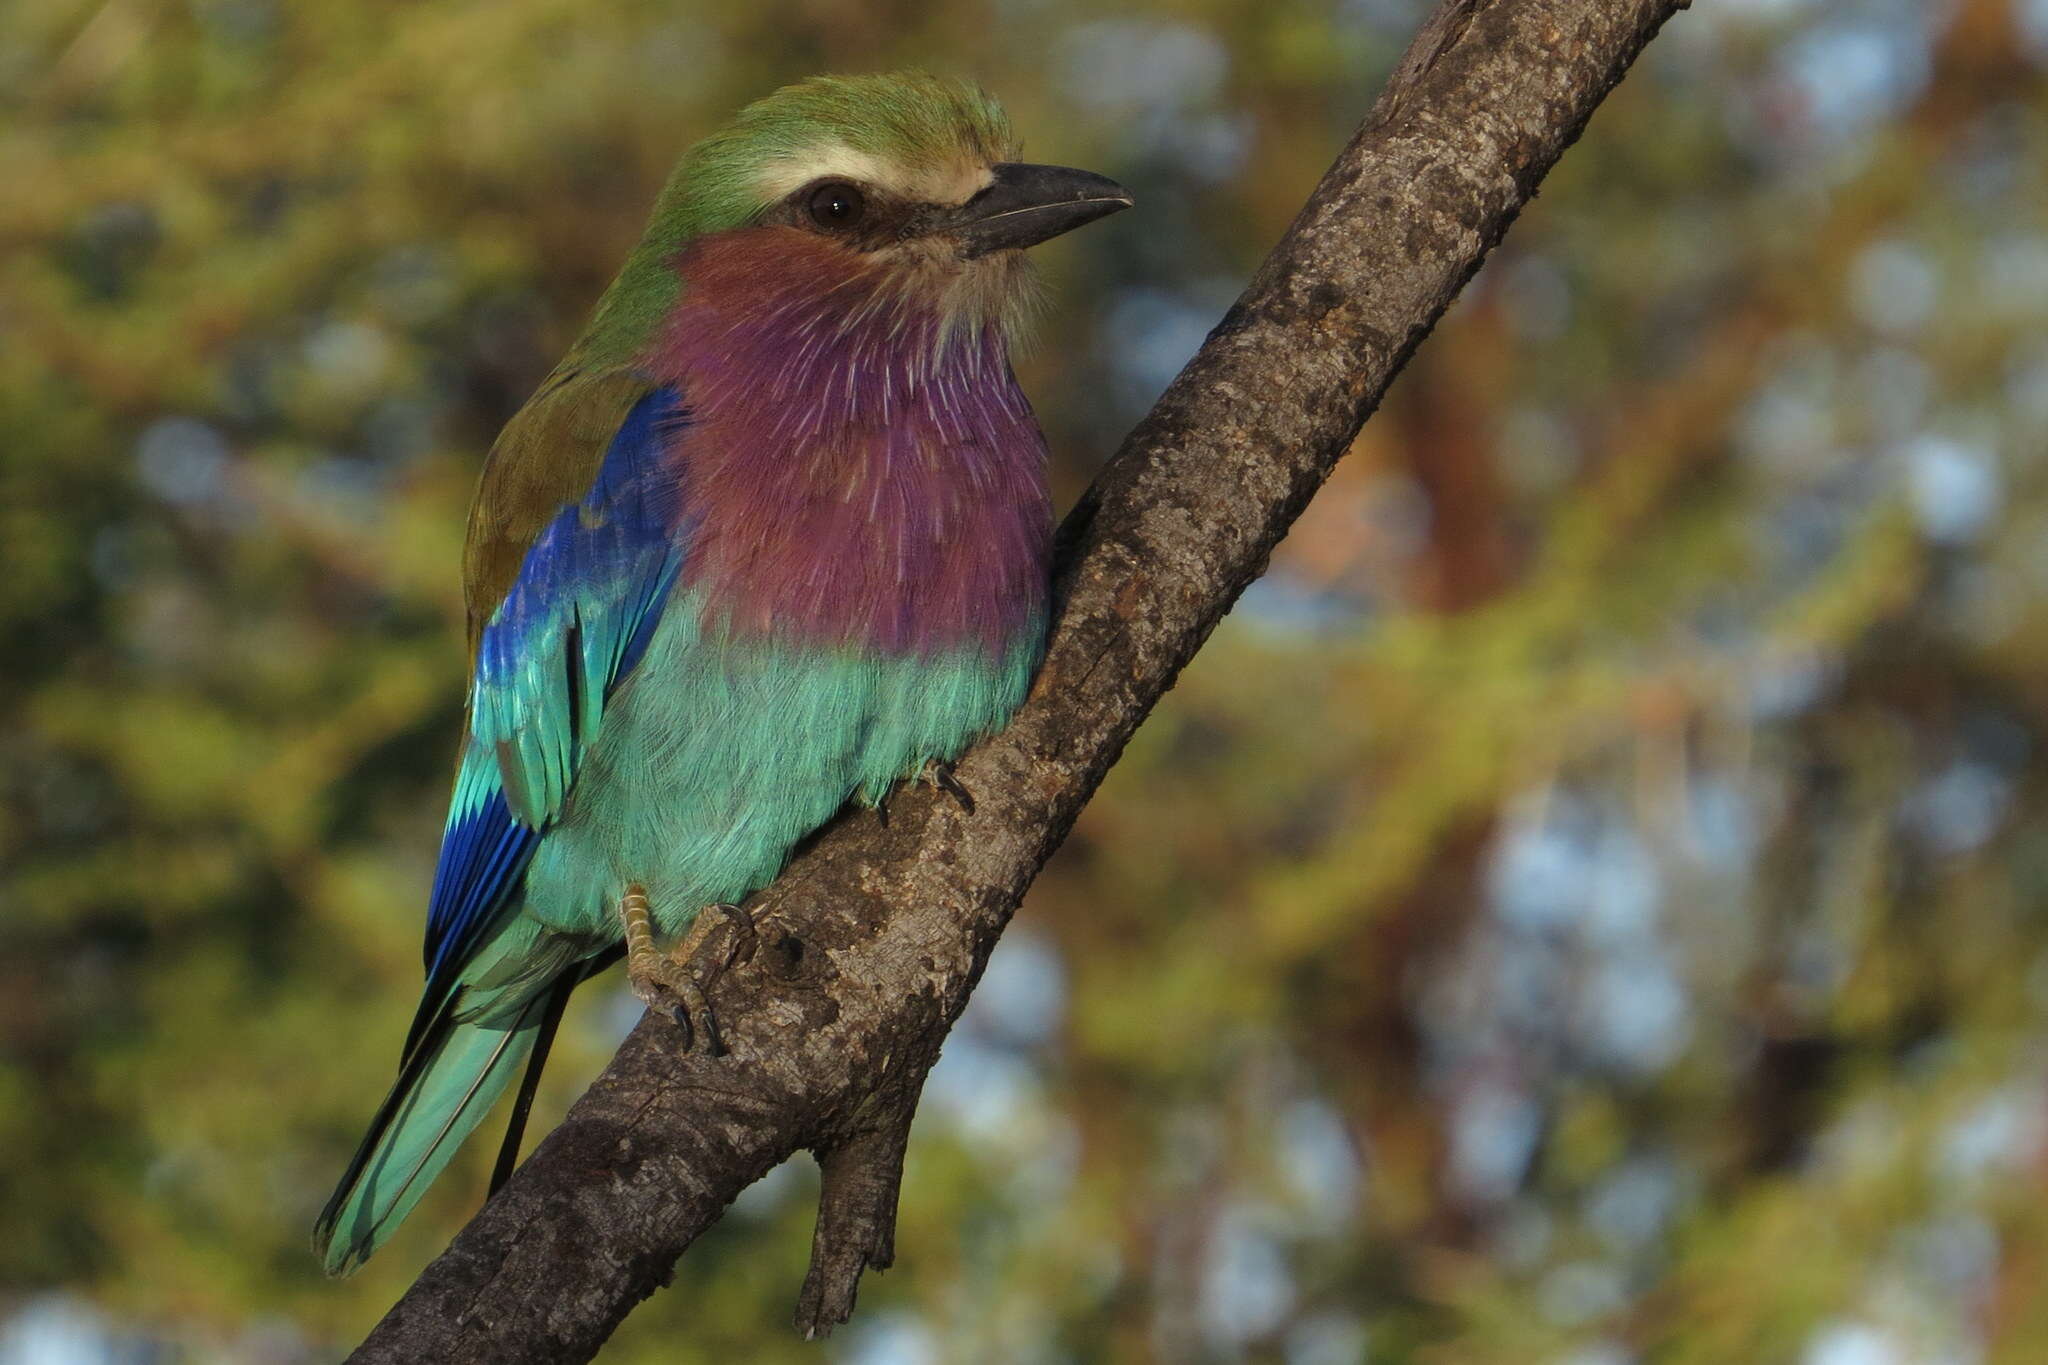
[
  {"x": 745, "y": 936},
  {"x": 941, "y": 776},
  {"x": 656, "y": 992}
]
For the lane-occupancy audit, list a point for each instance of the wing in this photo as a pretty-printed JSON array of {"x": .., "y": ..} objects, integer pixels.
[{"x": 571, "y": 623}]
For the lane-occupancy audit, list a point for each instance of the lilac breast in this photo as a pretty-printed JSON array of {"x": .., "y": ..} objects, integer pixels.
[{"x": 858, "y": 472}]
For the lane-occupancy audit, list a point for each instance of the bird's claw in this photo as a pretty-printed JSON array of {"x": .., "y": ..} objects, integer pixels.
[
  {"x": 940, "y": 775},
  {"x": 742, "y": 931},
  {"x": 664, "y": 981},
  {"x": 666, "y": 985}
]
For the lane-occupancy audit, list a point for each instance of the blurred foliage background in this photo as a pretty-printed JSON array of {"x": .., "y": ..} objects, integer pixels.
[{"x": 1586, "y": 905}]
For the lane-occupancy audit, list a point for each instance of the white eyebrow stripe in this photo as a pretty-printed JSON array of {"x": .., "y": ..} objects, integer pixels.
[
  {"x": 961, "y": 188},
  {"x": 833, "y": 160},
  {"x": 954, "y": 184}
]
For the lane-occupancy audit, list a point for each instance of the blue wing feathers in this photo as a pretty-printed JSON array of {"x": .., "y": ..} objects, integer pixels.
[
  {"x": 483, "y": 853},
  {"x": 575, "y": 622}
]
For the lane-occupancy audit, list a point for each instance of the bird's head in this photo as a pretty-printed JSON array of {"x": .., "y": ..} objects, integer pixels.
[
  {"x": 906, "y": 164},
  {"x": 909, "y": 173}
]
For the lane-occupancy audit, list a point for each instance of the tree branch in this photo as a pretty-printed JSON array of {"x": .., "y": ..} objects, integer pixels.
[{"x": 867, "y": 946}]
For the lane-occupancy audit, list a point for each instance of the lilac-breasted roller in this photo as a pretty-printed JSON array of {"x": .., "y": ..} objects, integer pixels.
[{"x": 774, "y": 535}]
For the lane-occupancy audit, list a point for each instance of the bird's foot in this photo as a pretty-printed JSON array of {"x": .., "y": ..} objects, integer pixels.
[
  {"x": 665, "y": 981},
  {"x": 940, "y": 775}
]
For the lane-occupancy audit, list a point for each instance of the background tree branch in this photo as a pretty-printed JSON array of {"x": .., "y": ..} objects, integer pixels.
[{"x": 868, "y": 945}]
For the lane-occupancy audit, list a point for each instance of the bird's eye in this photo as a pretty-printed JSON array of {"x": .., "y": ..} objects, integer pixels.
[{"x": 836, "y": 204}]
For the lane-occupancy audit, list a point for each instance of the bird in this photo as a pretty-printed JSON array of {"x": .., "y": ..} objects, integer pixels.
[{"x": 773, "y": 537}]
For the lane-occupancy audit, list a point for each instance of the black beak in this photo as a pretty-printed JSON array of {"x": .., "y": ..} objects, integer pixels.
[{"x": 1025, "y": 205}]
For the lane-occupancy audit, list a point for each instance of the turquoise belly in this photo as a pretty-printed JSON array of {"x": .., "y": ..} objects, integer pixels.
[{"x": 716, "y": 757}]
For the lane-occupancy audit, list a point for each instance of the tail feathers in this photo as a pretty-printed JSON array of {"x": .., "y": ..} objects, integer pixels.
[
  {"x": 522, "y": 1103},
  {"x": 446, "y": 1087}
]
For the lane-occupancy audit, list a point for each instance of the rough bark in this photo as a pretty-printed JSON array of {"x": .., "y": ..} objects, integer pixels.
[{"x": 867, "y": 946}]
